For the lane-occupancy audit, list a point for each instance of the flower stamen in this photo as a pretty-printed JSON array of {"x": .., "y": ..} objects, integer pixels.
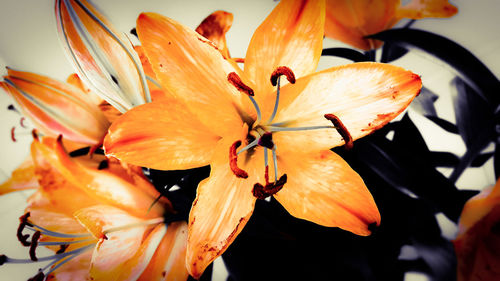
[
  {"x": 282, "y": 70},
  {"x": 262, "y": 192},
  {"x": 235, "y": 80},
  {"x": 233, "y": 161},
  {"x": 341, "y": 129},
  {"x": 34, "y": 244}
]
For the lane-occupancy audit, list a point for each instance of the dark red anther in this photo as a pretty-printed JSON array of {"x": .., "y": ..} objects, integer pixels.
[
  {"x": 13, "y": 134},
  {"x": 240, "y": 60},
  {"x": 282, "y": 70},
  {"x": 341, "y": 129},
  {"x": 34, "y": 133},
  {"x": 3, "y": 259},
  {"x": 38, "y": 277},
  {"x": 262, "y": 192},
  {"x": 21, "y": 122},
  {"x": 23, "y": 238},
  {"x": 233, "y": 161},
  {"x": 34, "y": 244},
  {"x": 235, "y": 80},
  {"x": 266, "y": 140},
  {"x": 62, "y": 248}
]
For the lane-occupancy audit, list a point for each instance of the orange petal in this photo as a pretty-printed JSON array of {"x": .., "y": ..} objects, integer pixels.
[
  {"x": 163, "y": 136},
  {"x": 349, "y": 21},
  {"x": 62, "y": 195},
  {"x": 322, "y": 188},
  {"x": 193, "y": 70},
  {"x": 134, "y": 175},
  {"x": 419, "y": 9},
  {"x": 479, "y": 206},
  {"x": 169, "y": 260},
  {"x": 107, "y": 187},
  {"x": 364, "y": 96},
  {"x": 55, "y": 107},
  {"x": 117, "y": 247},
  {"x": 223, "y": 205},
  {"x": 109, "y": 111},
  {"x": 23, "y": 177},
  {"x": 477, "y": 242},
  {"x": 292, "y": 36},
  {"x": 214, "y": 28},
  {"x": 75, "y": 269},
  {"x": 103, "y": 57},
  {"x": 42, "y": 213},
  {"x": 75, "y": 80}
]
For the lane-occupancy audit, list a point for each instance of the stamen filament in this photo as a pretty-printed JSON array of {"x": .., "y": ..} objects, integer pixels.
[
  {"x": 250, "y": 145},
  {"x": 126, "y": 226},
  {"x": 275, "y": 163},
  {"x": 275, "y": 110},
  {"x": 265, "y": 158},
  {"x": 289, "y": 129},
  {"x": 58, "y": 243},
  {"x": 257, "y": 109},
  {"x": 47, "y": 232},
  {"x": 48, "y": 258}
]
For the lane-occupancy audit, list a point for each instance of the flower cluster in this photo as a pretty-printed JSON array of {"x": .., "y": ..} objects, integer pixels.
[{"x": 179, "y": 101}]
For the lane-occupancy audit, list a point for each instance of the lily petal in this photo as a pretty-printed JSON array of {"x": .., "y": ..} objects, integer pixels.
[
  {"x": 364, "y": 96},
  {"x": 223, "y": 206},
  {"x": 419, "y": 9},
  {"x": 75, "y": 269},
  {"x": 193, "y": 70},
  {"x": 107, "y": 187},
  {"x": 54, "y": 184},
  {"x": 104, "y": 58},
  {"x": 169, "y": 260},
  {"x": 322, "y": 188},
  {"x": 116, "y": 248},
  {"x": 214, "y": 28},
  {"x": 351, "y": 20},
  {"x": 292, "y": 36},
  {"x": 23, "y": 177},
  {"x": 55, "y": 107},
  {"x": 159, "y": 135}
]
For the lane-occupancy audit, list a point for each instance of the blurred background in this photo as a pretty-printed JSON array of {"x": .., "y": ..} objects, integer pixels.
[{"x": 29, "y": 43}]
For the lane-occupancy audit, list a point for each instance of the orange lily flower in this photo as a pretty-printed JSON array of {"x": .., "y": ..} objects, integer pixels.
[
  {"x": 351, "y": 20},
  {"x": 104, "y": 58},
  {"x": 78, "y": 209},
  {"x": 55, "y": 107},
  {"x": 216, "y": 107},
  {"x": 477, "y": 242}
]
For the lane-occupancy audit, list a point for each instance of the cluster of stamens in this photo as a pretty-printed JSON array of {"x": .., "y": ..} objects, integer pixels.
[
  {"x": 261, "y": 134},
  {"x": 84, "y": 242},
  {"x": 62, "y": 240}
]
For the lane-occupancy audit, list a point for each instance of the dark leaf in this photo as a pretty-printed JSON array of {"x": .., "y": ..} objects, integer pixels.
[
  {"x": 392, "y": 52},
  {"x": 475, "y": 122},
  {"x": 346, "y": 53},
  {"x": 470, "y": 68},
  {"x": 444, "y": 124},
  {"x": 424, "y": 103},
  {"x": 481, "y": 159},
  {"x": 443, "y": 159},
  {"x": 496, "y": 162}
]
